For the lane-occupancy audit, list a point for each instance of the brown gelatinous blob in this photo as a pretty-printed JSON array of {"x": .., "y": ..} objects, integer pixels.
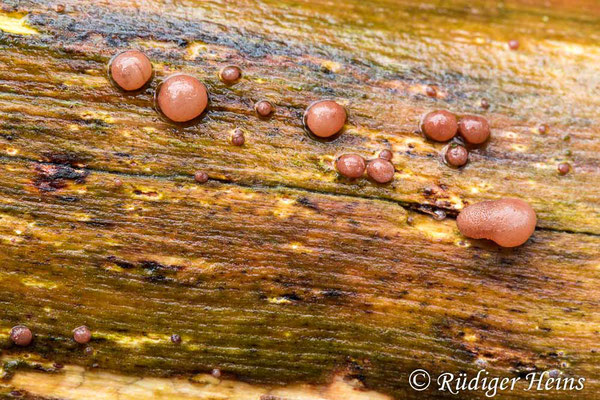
[
  {"x": 82, "y": 334},
  {"x": 430, "y": 91},
  {"x": 484, "y": 104},
  {"x": 237, "y": 138},
  {"x": 508, "y": 222},
  {"x": 439, "y": 125},
  {"x": 201, "y": 177},
  {"x": 474, "y": 129},
  {"x": 325, "y": 118},
  {"x": 386, "y": 155},
  {"x": 543, "y": 128},
  {"x": 564, "y": 168},
  {"x": 21, "y": 335},
  {"x": 175, "y": 338},
  {"x": 230, "y": 74},
  {"x": 380, "y": 170},
  {"x": 181, "y": 98},
  {"x": 513, "y": 44},
  {"x": 456, "y": 155},
  {"x": 351, "y": 165},
  {"x": 264, "y": 108},
  {"x": 131, "y": 70}
]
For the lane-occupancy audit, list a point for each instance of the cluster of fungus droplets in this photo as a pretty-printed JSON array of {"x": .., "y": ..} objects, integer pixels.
[
  {"x": 443, "y": 126},
  {"x": 380, "y": 169}
]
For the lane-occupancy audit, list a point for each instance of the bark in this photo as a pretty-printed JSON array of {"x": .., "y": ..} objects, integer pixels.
[{"x": 277, "y": 271}]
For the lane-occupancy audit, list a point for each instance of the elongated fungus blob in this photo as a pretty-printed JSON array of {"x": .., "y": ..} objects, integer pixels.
[
  {"x": 439, "y": 125},
  {"x": 131, "y": 70},
  {"x": 474, "y": 129},
  {"x": 351, "y": 165},
  {"x": 325, "y": 118},
  {"x": 182, "y": 98},
  {"x": 508, "y": 222}
]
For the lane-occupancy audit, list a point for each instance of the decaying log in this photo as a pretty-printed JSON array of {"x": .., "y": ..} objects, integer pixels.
[{"x": 294, "y": 282}]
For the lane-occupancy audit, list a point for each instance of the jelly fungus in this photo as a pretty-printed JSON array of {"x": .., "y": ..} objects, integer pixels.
[
  {"x": 59, "y": 8},
  {"x": 131, "y": 70},
  {"x": 543, "y": 128},
  {"x": 82, "y": 334},
  {"x": 439, "y": 125},
  {"x": 351, "y": 165},
  {"x": 484, "y": 104},
  {"x": 456, "y": 155},
  {"x": 264, "y": 108},
  {"x": 230, "y": 74},
  {"x": 474, "y": 129},
  {"x": 237, "y": 138},
  {"x": 21, "y": 335},
  {"x": 430, "y": 91},
  {"x": 175, "y": 338},
  {"x": 513, "y": 44},
  {"x": 508, "y": 222},
  {"x": 386, "y": 155},
  {"x": 181, "y": 98},
  {"x": 201, "y": 177},
  {"x": 564, "y": 168},
  {"x": 325, "y": 118},
  {"x": 380, "y": 170}
]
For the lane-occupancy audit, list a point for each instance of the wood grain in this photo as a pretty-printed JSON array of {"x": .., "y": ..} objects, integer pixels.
[{"x": 278, "y": 271}]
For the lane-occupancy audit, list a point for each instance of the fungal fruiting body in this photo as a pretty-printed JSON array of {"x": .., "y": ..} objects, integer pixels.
[
  {"x": 351, "y": 165},
  {"x": 131, "y": 70},
  {"x": 325, "y": 118},
  {"x": 230, "y": 74},
  {"x": 181, "y": 98},
  {"x": 474, "y": 129},
  {"x": 264, "y": 108},
  {"x": 439, "y": 125},
  {"x": 456, "y": 155},
  {"x": 380, "y": 170},
  {"x": 21, "y": 335},
  {"x": 82, "y": 334},
  {"x": 508, "y": 222}
]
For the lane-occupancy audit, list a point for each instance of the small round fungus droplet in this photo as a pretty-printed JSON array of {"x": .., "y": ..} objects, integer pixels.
[
  {"x": 201, "y": 177},
  {"x": 237, "y": 138},
  {"x": 230, "y": 74},
  {"x": 543, "y": 128},
  {"x": 564, "y": 168},
  {"x": 182, "y": 98},
  {"x": 380, "y": 170},
  {"x": 508, "y": 222},
  {"x": 59, "y": 8},
  {"x": 386, "y": 155},
  {"x": 216, "y": 373},
  {"x": 264, "y": 108},
  {"x": 131, "y": 70},
  {"x": 175, "y": 338},
  {"x": 484, "y": 104},
  {"x": 351, "y": 165},
  {"x": 439, "y": 125},
  {"x": 456, "y": 155},
  {"x": 82, "y": 334},
  {"x": 513, "y": 44},
  {"x": 474, "y": 129},
  {"x": 325, "y": 118},
  {"x": 21, "y": 335},
  {"x": 430, "y": 91}
]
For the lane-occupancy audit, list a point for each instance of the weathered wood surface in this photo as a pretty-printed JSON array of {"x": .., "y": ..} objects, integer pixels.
[{"x": 278, "y": 272}]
